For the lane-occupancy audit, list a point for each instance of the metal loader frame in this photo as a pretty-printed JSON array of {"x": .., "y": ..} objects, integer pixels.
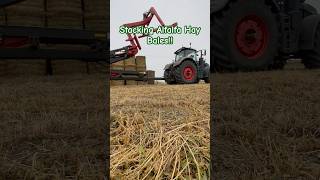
[{"x": 31, "y": 49}]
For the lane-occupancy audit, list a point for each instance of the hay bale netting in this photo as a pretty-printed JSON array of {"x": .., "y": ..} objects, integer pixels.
[
  {"x": 96, "y": 15},
  {"x": 64, "y": 14},
  {"x": 26, "y": 13}
]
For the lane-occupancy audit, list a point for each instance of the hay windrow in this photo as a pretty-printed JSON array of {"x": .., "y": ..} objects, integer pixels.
[{"x": 160, "y": 132}]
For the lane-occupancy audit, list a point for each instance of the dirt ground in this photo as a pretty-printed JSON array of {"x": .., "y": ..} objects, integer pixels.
[
  {"x": 52, "y": 127},
  {"x": 267, "y": 124},
  {"x": 160, "y": 132}
]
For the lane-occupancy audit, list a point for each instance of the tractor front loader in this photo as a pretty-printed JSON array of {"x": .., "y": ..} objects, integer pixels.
[{"x": 131, "y": 50}]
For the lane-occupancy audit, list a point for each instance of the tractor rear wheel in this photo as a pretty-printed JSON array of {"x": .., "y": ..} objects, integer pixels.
[
  {"x": 311, "y": 58},
  {"x": 186, "y": 73},
  {"x": 245, "y": 36}
]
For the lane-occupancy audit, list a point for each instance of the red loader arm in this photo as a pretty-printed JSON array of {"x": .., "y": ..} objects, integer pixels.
[{"x": 134, "y": 39}]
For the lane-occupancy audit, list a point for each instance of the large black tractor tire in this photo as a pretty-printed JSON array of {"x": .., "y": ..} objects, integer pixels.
[
  {"x": 279, "y": 63},
  {"x": 186, "y": 73},
  {"x": 245, "y": 36},
  {"x": 167, "y": 77},
  {"x": 311, "y": 58},
  {"x": 206, "y": 80}
]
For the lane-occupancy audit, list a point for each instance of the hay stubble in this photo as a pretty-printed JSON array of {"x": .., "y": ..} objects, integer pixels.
[{"x": 160, "y": 132}]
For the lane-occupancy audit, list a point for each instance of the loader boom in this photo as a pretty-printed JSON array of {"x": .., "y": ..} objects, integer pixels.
[{"x": 131, "y": 50}]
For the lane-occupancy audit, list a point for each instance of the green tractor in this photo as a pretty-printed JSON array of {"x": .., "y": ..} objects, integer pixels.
[{"x": 187, "y": 68}]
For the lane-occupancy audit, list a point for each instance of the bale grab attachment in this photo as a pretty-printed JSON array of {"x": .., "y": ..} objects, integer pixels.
[{"x": 131, "y": 50}]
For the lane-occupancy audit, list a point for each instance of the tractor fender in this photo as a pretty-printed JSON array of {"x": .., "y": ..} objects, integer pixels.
[
  {"x": 168, "y": 66},
  {"x": 314, "y": 3},
  {"x": 308, "y": 31},
  {"x": 309, "y": 9},
  {"x": 217, "y": 5},
  {"x": 177, "y": 63}
]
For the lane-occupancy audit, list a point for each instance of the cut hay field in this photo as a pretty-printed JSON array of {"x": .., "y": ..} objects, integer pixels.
[
  {"x": 160, "y": 132},
  {"x": 267, "y": 124},
  {"x": 52, "y": 127}
]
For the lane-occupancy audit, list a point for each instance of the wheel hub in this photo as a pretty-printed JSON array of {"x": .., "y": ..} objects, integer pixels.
[
  {"x": 188, "y": 73},
  {"x": 251, "y": 36}
]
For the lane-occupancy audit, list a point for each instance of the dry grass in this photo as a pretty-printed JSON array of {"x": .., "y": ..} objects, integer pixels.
[
  {"x": 52, "y": 127},
  {"x": 267, "y": 124},
  {"x": 160, "y": 132}
]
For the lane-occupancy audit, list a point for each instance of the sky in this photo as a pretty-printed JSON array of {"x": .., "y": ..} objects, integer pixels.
[{"x": 184, "y": 12}]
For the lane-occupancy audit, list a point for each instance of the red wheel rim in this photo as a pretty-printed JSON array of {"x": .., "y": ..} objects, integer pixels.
[
  {"x": 251, "y": 36},
  {"x": 115, "y": 74},
  {"x": 188, "y": 73}
]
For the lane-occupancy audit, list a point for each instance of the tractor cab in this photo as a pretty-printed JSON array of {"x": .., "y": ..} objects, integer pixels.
[{"x": 184, "y": 52}]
